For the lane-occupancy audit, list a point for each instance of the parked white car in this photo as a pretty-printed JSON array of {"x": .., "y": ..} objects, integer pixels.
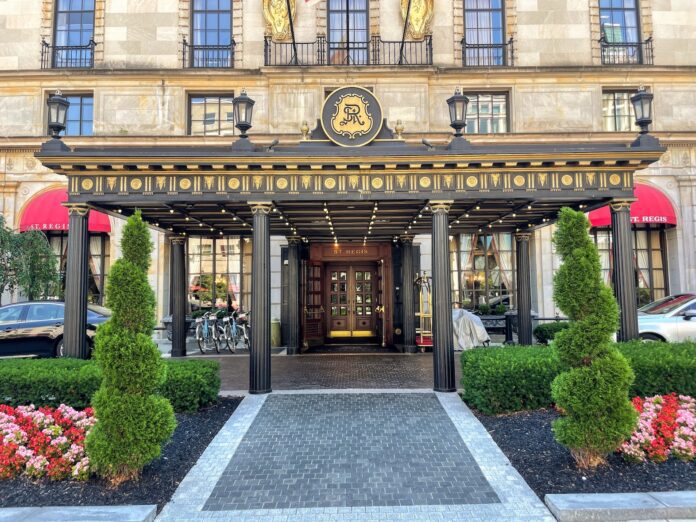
[{"x": 672, "y": 318}]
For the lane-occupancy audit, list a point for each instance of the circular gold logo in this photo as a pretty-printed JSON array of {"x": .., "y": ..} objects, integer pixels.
[
  {"x": 136, "y": 184},
  {"x": 330, "y": 183},
  {"x": 424, "y": 181},
  {"x": 87, "y": 184},
  {"x": 185, "y": 184},
  {"x": 351, "y": 116},
  {"x": 377, "y": 183},
  {"x": 471, "y": 181},
  {"x": 567, "y": 179},
  {"x": 614, "y": 179},
  {"x": 282, "y": 183},
  {"x": 518, "y": 180},
  {"x": 233, "y": 183}
]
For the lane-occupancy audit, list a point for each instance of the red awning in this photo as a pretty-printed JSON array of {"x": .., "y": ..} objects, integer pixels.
[
  {"x": 652, "y": 208},
  {"x": 45, "y": 212}
]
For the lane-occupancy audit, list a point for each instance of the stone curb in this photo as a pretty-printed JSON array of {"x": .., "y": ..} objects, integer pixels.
[
  {"x": 584, "y": 507},
  {"x": 143, "y": 513}
]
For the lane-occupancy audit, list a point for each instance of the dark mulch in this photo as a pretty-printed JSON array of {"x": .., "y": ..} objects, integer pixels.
[
  {"x": 159, "y": 480},
  {"x": 527, "y": 440}
]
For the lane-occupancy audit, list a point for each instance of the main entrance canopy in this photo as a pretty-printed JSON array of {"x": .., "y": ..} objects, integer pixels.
[{"x": 324, "y": 189}]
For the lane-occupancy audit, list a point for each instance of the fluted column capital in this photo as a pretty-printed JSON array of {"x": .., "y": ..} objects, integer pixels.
[
  {"x": 261, "y": 207},
  {"x": 441, "y": 206},
  {"x": 619, "y": 205},
  {"x": 523, "y": 236},
  {"x": 79, "y": 209}
]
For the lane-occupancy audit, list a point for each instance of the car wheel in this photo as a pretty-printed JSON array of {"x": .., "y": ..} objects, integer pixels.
[
  {"x": 60, "y": 348},
  {"x": 651, "y": 337}
]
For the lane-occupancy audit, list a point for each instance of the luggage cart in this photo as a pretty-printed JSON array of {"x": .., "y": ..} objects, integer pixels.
[{"x": 424, "y": 333}]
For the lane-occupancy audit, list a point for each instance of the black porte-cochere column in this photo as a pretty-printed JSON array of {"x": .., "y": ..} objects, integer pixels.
[
  {"x": 524, "y": 290},
  {"x": 179, "y": 298},
  {"x": 76, "y": 281},
  {"x": 293, "y": 341},
  {"x": 260, "y": 357},
  {"x": 443, "y": 342},
  {"x": 624, "y": 275},
  {"x": 407, "y": 294}
]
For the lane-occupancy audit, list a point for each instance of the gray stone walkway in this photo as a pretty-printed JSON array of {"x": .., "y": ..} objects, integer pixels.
[{"x": 353, "y": 455}]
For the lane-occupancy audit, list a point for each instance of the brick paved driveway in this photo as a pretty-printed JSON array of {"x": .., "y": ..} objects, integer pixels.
[
  {"x": 335, "y": 371},
  {"x": 358, "y": 455}
]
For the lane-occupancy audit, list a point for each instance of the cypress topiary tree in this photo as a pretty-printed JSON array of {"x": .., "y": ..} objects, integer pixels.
[
  {"x": 133, "y": 422},
  {"x": 593, "y": 391}
]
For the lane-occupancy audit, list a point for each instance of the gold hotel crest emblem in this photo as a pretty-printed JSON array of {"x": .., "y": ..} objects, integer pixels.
[{"x": 352, "y": 117}]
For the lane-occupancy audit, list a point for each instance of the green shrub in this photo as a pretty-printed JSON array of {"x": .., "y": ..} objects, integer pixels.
[
  {"x": 500, "y": 309},
  {"x": 189, "y": 385},
  {"x": 484, "y": 309},
  {"x": 133, "y": 423},
  {"x": 593, "y": 389},
  {"x": 48, "y": 382},
  {"x": 192, "y": 385},
  {"x": 661, "y": 368},
  {"x": 498, "y": 380},
  {"x": 547, "y": 331},
  {"x": 514, "y": 378}
]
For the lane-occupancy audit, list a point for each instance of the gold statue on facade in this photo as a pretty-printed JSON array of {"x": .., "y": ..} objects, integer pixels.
[
  {"x": 275, "y": 13},
  {"x": 420, "y": 16}
]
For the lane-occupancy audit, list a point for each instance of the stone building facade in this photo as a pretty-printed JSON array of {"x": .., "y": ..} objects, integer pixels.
[{"x": 552, "y": 63}]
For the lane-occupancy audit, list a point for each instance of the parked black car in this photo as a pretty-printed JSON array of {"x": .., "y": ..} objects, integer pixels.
[{"x": 36, "y": 327}]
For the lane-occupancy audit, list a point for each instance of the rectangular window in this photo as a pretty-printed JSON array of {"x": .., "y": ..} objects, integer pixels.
[
  {"x": 484, "y": 33},
  {"x": 486, "y": 270},
  {"x": 211, "y": 115},
  {"x": 74, "y": 33},
  {"x": 348, "y": 32},
  {"x": 649, "y": 261},
  {"x": 217, "y": 260},
  {"x": 620, "y": 34},
  {"x": 80, "y": 115},
  {"x": 487, "y": 113},
  {"x": 211, "y": 38},
  {"x": 619, "y": 21},
  {"x": 618, "y": 112}
]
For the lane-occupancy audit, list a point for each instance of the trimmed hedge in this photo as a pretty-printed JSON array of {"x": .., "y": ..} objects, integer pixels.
[
  {"x": 545, "y": 333},
  {"x": 514, "y": 378},
  {"x": 189, "y": 386}
]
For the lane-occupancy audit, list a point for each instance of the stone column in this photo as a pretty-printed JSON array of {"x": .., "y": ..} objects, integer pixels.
[
  {"x": 524, "y": 290},
  {"x": 260, "y": 357},
  {"x": 408, "y": 294},
  {"x": 624, "y": 275},
  {"x": 293, "y": 274},
  {"x": 178, "y": 295},
  {"x": 443, "y": 342},
  {"x": 76, "y": 283}
]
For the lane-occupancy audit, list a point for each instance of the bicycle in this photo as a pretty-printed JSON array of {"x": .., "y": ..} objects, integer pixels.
[
  {"x": 208, "y": 333},
  {"x": 235, "y": 331}
]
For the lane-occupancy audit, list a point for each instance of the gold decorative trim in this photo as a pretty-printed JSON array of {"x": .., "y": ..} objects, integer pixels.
[
  {"x": 76, "y": 208},
  {"x": 441, "y": 206},
  {"x": 523, "y": 236},
  {"x": 618, "y": 205},
  {"x": 260, "y": 207}
]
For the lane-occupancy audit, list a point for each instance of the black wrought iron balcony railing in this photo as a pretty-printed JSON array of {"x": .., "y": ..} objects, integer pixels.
[
  {"x": 488, "y": 55},
  {"x": 211, "y": 56},
  {"x": 636, "y": 53},
  {"x": 373, "y": 52},
  {"x": 67, "y": 56}
]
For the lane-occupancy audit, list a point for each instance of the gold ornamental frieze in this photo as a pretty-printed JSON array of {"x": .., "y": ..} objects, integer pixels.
[
  {"x": 275, "y": 13},
  {"x": 420, "y": 17},
  {"x": 397, "y": 184}
]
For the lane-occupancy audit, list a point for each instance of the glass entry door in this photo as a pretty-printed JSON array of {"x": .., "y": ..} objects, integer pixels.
[{"x": 352, "y": 300}]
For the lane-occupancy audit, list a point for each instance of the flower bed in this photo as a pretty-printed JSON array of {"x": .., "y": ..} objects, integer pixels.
[
  {"x": 44, "y": 442},
  {"x": 666, "y": 427}
]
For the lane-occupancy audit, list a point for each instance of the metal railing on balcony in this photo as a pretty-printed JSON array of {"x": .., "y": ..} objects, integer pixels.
[
  {"x": 67, "y": 56},
  {"x": 373, "y": 52},
  {"x": 488, "y": 55},
  {"x": 211, "y": 56},
  {"x": 637, "y": 53}
]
